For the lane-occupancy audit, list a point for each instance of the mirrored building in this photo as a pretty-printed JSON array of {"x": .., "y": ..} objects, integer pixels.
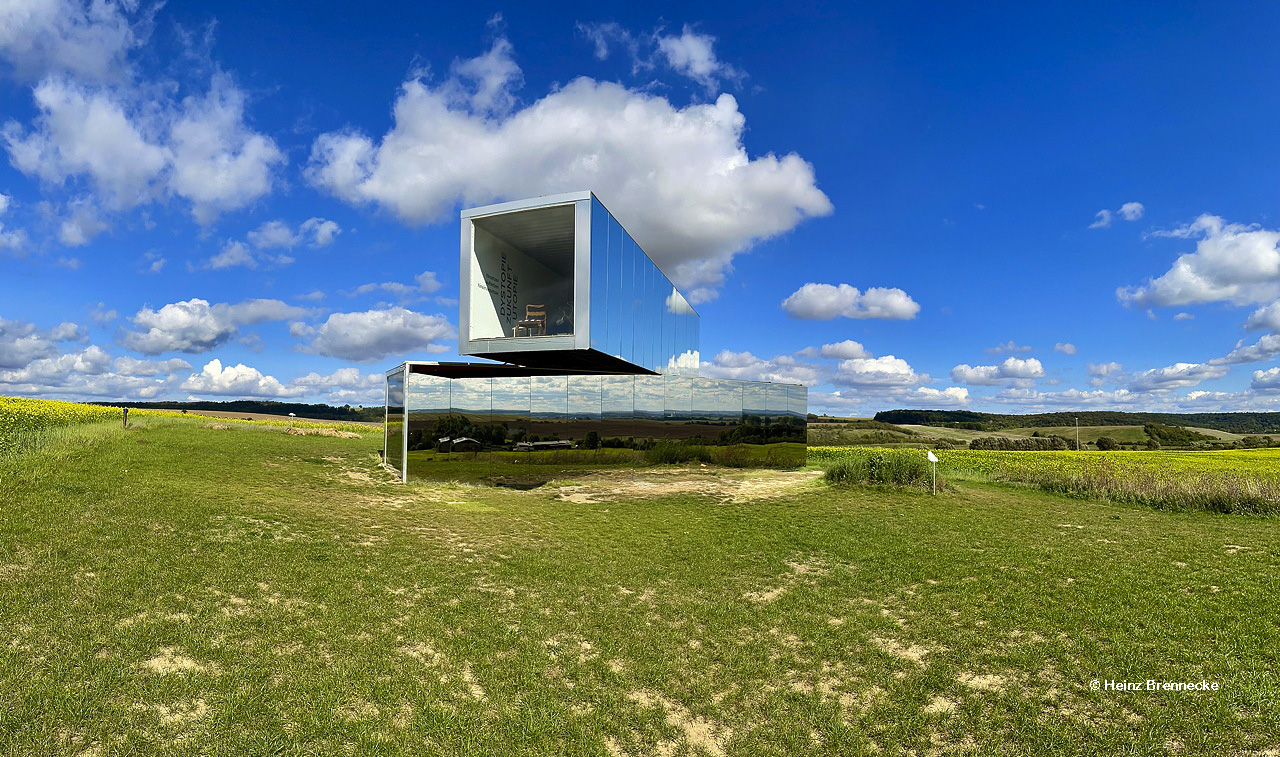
[{"x": 596, "y": 348}]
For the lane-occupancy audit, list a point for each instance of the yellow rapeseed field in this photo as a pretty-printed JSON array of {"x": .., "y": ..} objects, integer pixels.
[{"x": 21, "y": 417}]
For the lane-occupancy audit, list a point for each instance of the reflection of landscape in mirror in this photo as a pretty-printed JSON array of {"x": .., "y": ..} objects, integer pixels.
[
  {"x": 737, "y": 422},
  {"x": 394, "y": 430}
]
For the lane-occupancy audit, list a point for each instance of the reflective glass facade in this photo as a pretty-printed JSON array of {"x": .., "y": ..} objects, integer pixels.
[
  {"x": 763, "y": 422},
  {"x": 557, "y": 282},
  {"x": 393, "y": 429}
]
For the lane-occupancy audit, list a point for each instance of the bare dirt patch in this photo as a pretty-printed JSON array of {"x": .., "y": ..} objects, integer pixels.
[
  {"x": 300, "y": 431},
  {"x": 169, "y": 661},
  {"x": 728, "y": 488},
  {"x": 940, "y": 706},
  {"x": 913, "y": 653},
  {"x": 698, "y": 733},
  {"x": 982, "y": 682}
]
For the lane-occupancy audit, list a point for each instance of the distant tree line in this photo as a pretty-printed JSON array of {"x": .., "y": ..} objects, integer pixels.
[
  {"x": 267, "y": 407},
  {"x": 1236, "y": 423}
]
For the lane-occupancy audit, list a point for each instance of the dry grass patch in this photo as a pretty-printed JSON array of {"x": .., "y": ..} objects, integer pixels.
[{"x": 301, "y": 431}]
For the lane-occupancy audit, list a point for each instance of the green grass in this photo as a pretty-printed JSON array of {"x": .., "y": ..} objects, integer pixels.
[{"x": 178, "y": 590}]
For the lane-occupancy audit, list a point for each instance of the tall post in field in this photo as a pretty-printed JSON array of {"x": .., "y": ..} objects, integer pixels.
[
  {"x": 933, "y": 459},
  {"x": 1077, "y": 433}
]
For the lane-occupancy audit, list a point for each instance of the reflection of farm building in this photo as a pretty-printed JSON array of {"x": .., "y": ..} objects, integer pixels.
[{"x": 598, "y": 348}]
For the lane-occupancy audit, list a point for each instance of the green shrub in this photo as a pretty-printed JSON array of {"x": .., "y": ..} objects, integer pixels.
[
  {"x": 897, "y": 467},
  {"x": 667, "y": 453}
]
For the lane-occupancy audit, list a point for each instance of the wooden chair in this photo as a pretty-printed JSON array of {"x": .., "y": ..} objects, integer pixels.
[{"x": 534, "y": 323}]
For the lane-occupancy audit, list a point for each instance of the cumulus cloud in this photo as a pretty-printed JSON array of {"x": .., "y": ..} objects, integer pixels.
[
  {"x": 823, "y": 302},
  {"x": 1066, "y": 348},
  {"x": 196, "y": 326},
  {"x": 884, "y": 371},
  {"x": 85, "y": 39},
  {"x": 375, "y": 334},
  {"x": 345, "y": 385},
  {"x": 1232, "y": 262},
  {"x": 273, "y": 235},
  {"x": 1012, "y": 369},
  {"x": 846, "y": 350},
  {"x": 1104, "y": 372},
  {"x": 1103, "y": 220},
  {"x": 746, "y": 366},
  {"x": 1267, "y": 381},
  {"x": 130, "y": 141},
  {"x": 1176, "y": 376},
  {"x": 1267, "y": 317},
  {"x": 129, "y": 366},
  {"x": 680, "y": 176},
  {"x": 1183, "y": 317},
  {"x": 1264, "y": 349},
  {"x": 77, "y": 375},
  {"x": 237, "y": 380},
  {"x": 22, "y": 342}
]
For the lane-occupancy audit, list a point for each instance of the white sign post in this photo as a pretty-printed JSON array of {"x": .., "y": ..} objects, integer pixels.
[{"x": 934, "y": 459}]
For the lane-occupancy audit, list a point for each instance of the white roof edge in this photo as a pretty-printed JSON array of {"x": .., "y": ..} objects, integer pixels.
[{"x": 526, "y": 204}]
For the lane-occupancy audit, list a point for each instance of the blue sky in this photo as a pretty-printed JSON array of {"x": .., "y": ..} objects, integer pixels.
[{"x": 1008, "y": 207}]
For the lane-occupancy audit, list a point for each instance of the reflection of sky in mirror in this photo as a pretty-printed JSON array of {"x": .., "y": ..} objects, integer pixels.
[
  {"x": 428, "y": 394},
  {"x": 472, "y": 397},
  {"x": 716, "y": 398},
  {"x": 798, "y": 396},
  {"x": 584, "y": 397},
  {"x": 548, "y": 396},
  {"x": 617, "y": 396},
  {"x": 679, "y": 397},
  {"x": 511, "y": 396},
  {"x": 650, "y": 396}
]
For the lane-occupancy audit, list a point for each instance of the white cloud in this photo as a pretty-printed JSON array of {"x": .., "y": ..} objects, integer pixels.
[
  {"x": 845, "y": 350},
  {"x": 22, "y": 342},
  {"x": 272, "y": 234},
  {"x": 135, "y": 144},
  {"x": 376, "y": 334},
  {"x": 82, "y": 225},
  {"x": 5, "y": 202},
  {"x": 1131, "y": 211},
  {"x": 54, "y": 370},
  {"x": 196, "y": 326},
  {"x": 236, "y": 381},
  {"x": 1183, "y": 317},
  {"x": 693, "y": 55},
  {"x": 1104, "y": 372},
  {"x": 1009, "y": 346},
  {"x": 823, "y": 302},
  {"x": 1264, "y": 349},
  {"x": 128, "y": 366},
  {"x": 101, "y": 314},
  {"x": 1266, "y": 381},
  {"x": 1012, "y": 369},
  {"x": 680, "y": 177},
  {"x": 234, "y": 253},
  {"x": 745, "y": 366},
  {"x": 423, "y": 284},
  {"x": 85, "y": 131},
  {"x": 1267, "y": 317},
  {"x": 688, "y": 54},
  {"x": 84, "y": 39},
  {"x": 345, "y": 385},
  {"x": 1066, "y": 348},
  {"x": 1233, "y": 263},
  {"x": 950, "y": 396},
  {"x": 322, "y": 231},
  {"x": 1176, "y": 376},
  {"x": 885, "y": 371}
]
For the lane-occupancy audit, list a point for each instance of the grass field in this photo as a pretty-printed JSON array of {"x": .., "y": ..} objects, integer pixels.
[{"x": 176, "y": 589}]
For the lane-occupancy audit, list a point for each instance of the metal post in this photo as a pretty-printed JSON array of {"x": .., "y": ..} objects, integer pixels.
[{"x": 125, "y": 422}]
